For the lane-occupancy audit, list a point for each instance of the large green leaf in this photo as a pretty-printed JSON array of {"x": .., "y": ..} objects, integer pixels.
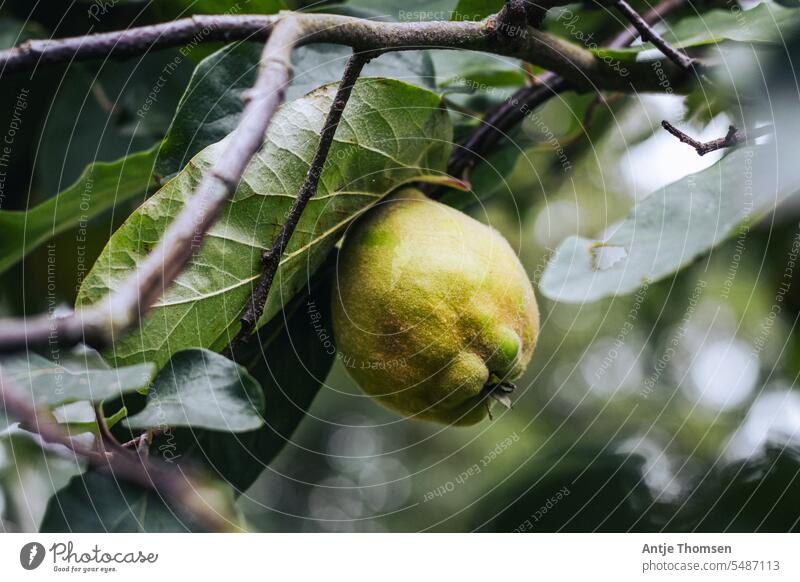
[
  {"x": 102, "y": 186},
  {"x": 48, "y": 383},
  {"x": 202, "y": 390},
  {"x": 671, "y": 227},
  {"x": 291, "y": 361},
  {"x": 97, "y": 502},
  {"x": 210, "y": 108},
  {"x": 757, "y": 25},
  {"x": 391, "y": 133}
]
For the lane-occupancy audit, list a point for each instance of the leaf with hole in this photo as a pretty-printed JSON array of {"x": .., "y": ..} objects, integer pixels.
[
  {"x": 391, "y": 134},
  {"x": 671, "y": 227}
]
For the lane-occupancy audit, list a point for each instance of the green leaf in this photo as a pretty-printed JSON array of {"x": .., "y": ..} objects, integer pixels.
[
  {"x": 50, "y": 384},
  {"x": 671, "y": 227},
  {"x": 757, "y": 25},
  {"x": 95, "y": 502},
  {"x": 475, "y": 9},
  {"x": 103, "y": 185},
  {"x": 391, "y": 133},
  {"x": 210, "y": 108},
  {"x": 203, "y": 390},
  {"x": 297, "y": 355}
]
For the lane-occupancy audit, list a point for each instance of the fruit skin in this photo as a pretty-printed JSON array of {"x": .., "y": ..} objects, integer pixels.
[{"x": 429, "y": 305}]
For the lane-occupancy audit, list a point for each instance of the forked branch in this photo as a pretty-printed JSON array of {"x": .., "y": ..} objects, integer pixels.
[
  {"x": 99, "y": 325},
  {"x": 733, "y": 138}
]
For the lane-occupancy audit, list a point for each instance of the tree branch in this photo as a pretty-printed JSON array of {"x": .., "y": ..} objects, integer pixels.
[
  {"x": 647, "y": 33},
  {"x": 653, "y": 15},
  {"x": 733, "y": 138},
  {"x": 495, "y": 125},
  {"x": 272, "y": 257},
  {"x": 134, "y": 41},
  {"x": 181, "y": 490},
  {"x": 99, "y": 324},
  {"x": 576, "y": 63}
]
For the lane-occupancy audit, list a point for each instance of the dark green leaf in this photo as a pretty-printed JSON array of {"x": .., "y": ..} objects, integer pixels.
[
  {"x": 391, "y": 133},
  {"x": 104, "y": 116},
  {"x": 295, "y": 361},
  {"x": 50, "y": 384},
  {"x": 202, "y": 390},
  {"x": 97, "y": 502},
  {"x": 103, "y": 185}
]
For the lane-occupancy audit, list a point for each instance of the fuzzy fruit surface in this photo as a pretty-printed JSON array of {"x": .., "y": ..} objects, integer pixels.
[{"x": 430, "y": 305}]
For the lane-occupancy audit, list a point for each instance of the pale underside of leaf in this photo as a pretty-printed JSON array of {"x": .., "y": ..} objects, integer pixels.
[
  {"x": 671, "y": 227},
  {"x": 47, "y": 383}
]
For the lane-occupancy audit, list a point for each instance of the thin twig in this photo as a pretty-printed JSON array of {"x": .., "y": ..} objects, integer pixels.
[
  {"x": 495, "y": 124},
  {"x": 733, "y": 138},
  {"x": 179, "y": 488},
  {"x": 647, "y": 33},
  {"x": 271, "y": 258},
  {"x": 98, "y": 325},
  {"x": 653, "y": 15}
]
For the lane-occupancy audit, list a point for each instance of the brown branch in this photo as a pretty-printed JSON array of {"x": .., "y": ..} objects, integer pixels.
[
  {"x": 181, "y": 490},
  {"x": 733, "y": 138},
  {"x": 98, "y": 325},
  {"x": 648, "y": 33},
  {"x": 32, "y": 54},
  {"x": 271, "y": 258},
  {"x": 551, "y": 52},
  {"x": 496, "y": 124},
  {"x": 653, "y": 15}
]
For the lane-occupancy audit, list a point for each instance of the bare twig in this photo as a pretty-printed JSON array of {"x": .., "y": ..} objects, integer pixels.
[
  {"x": 647, "y": 33},
  {"x": 98, "y": 325},
  {"x": 496, "y": 123},
  {"x": 180, "y": 489},
  {"x": 733, "y": 138},
  {"x": 653, "y": 15},
  {"x": 272, "y": 256}
]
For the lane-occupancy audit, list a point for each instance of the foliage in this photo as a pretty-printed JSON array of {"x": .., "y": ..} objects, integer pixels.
[{"x": 661, "y": 395}]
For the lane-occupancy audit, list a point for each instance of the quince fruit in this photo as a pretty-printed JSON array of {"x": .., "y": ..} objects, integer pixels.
[{"x": 433, "y": 314}]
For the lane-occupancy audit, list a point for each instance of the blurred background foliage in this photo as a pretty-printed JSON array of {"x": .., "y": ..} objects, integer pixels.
[{"x": 674, "y": 408}]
